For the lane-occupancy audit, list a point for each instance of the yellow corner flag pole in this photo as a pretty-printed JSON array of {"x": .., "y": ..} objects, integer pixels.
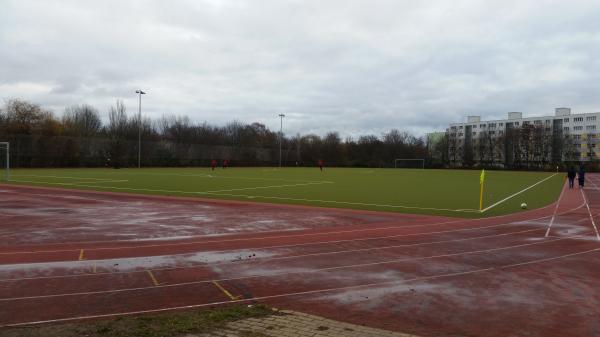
[{"x": 481, "y": 180}]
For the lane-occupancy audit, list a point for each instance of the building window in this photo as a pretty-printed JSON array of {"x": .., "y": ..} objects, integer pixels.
[
  {"x": 566, "y": 128},
  {"x": 590, "y": 118},
  {"x": 482, "y": 125},
  {"x": 537, "y": 122},
  {"x": 500, "y": 124},
  {"x": 547, "y": 122},
  {"x": 578, "y": 146},
  {"x": 578, "y": 119},
  {"x": 576, "y": 136},
  {"x": 492, "y": 125},
  {"x": 566, "y": 120},
  {"x": 460, "y": 134},
  {"x": 516, "y": 123},
  {"x": 492, "y": 132},
  {"x": 577, "y": 128},
  {"x": 474, "y": 133},
  {"x": 460, "y": 127},
  {"x": 500, "y": 132},
  {"x": 590, "y": 127}
]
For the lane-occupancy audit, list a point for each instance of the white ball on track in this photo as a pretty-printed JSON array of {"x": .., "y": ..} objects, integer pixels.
[{"x": 524, "y": 206}]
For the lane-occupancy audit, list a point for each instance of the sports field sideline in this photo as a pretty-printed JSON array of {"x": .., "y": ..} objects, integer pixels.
[{"x": 438, "y": 192}]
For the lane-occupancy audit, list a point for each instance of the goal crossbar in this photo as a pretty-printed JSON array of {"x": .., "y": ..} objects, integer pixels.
[
  {"x": 411, "y": 160},
  {"x": 6, "y": 145}
]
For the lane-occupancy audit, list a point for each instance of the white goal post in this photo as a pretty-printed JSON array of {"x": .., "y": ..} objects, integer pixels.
[
  {"x": 415, "y": 163},
  {"x": 5, "y": 153}
]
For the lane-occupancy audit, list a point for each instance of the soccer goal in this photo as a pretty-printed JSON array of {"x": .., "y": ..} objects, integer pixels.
[
  {"x": 409, "y": 163},
  {"x": 4, "y": 161}
]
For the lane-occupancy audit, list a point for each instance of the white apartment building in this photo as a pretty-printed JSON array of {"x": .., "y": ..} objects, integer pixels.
[{"x": 573, "y": 137}]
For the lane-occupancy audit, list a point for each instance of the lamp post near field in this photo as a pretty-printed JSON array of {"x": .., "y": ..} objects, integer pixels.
[
  {"x": 140, "y": 93},
  {"x": 280, "y": 136}
]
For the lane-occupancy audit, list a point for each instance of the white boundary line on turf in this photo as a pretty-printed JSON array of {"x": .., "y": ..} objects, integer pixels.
[
  {"x": 515, "y": 194},
  {"x": 304, "y": 235},
  {"x": 250, "y": 196},
  {"x": 309, "y": 292},
  {"x": 60, "y": 177},
  {"x": 286, "y": 273},
  {"x": 590, "y": 213}
]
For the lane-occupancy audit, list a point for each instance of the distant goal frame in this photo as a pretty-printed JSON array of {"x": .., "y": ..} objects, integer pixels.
[
  {"x": 6, "y": 153},
  {"x": 409, "y": 159}
]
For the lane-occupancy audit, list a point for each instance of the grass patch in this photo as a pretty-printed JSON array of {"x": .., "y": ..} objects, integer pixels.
[
  {"x": 438, "y": 192},
  {"x": 159, "y": 325}
]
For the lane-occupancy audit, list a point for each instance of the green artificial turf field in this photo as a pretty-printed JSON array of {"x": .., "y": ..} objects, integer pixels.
[{"x": 440, "y": 192}]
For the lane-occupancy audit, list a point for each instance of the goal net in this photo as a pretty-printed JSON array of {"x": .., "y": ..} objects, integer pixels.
[
  {"x": 409, "y": 163},
  {"x": 4, "y": 161}
]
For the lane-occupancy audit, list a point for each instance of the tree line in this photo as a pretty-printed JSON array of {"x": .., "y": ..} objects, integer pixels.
[{"x": 80, "y": 138}]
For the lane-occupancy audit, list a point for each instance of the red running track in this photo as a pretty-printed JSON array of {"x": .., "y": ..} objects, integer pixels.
[{"x": 76, "y": 254}]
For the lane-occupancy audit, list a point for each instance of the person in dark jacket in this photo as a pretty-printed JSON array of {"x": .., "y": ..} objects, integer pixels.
[
  {"x": 581, "y": 176},
  {"x": 571, "y": 175}
]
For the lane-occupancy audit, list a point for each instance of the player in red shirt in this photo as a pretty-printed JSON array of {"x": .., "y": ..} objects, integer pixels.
[
  {"x": 213, "y": 164},
  {"x": 320, "y": 163}
]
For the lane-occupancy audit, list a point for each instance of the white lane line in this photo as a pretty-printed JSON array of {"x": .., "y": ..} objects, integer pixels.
[
  {"x": 258, "y": 259},
  {"x": 251, "y": 196},
  {"x": 311, "y": 292},
  {"x": 285, "y": 273},
  {"x": 590, "y": 213},
  {"x": 306, "y": 235},
  {"x": 266, "y": 187},
  {"x": 515, "y": 194},
  {"x": 555, "y": 211},
  {"x": 279, "y": 231}
]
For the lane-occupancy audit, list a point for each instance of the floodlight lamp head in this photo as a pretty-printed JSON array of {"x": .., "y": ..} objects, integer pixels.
[
  {"x": 140, "y": 92},
  {"x": 281, "y": 115}
]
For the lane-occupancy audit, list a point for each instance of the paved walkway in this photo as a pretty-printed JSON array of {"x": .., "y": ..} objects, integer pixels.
[{"x": 296, "y": 324}]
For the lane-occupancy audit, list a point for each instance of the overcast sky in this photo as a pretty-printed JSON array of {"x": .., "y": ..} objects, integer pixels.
[{"x": 356, "y": 67}]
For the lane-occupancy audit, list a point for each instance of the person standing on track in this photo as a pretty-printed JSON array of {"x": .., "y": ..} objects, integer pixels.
[
  {"x": 571, "y": 176},
  {"x": 581, "y": 176},
  {"x": 213, "y": 164},
  {"x": 320, "y": 163}
]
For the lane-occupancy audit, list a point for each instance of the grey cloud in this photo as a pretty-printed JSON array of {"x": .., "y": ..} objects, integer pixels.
[{"x": 356, "y": 67}]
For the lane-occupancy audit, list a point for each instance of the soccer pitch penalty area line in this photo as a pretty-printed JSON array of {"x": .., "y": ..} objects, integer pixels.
[
  {"x": 272, "y": 186},
  {"x": 515, "y": 194}
]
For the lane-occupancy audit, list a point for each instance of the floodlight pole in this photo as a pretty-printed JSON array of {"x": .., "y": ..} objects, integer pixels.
[
  {"x": 280, "y": 136},
  {"x": 140, "y": 93}
]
